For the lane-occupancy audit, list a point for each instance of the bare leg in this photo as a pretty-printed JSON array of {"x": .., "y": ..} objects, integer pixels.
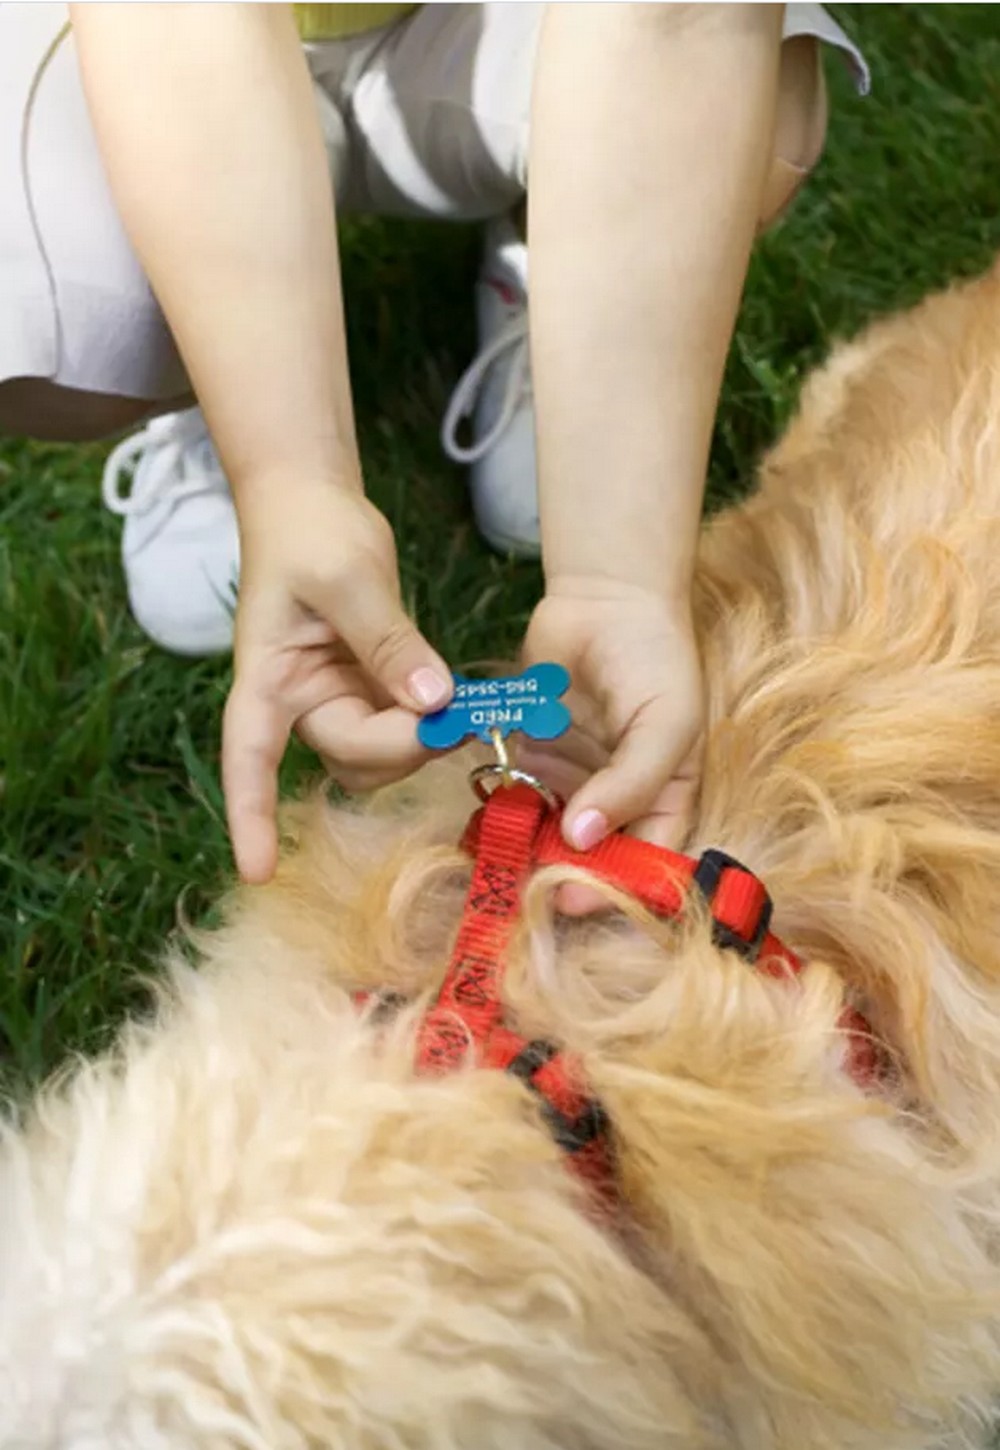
[
  {"x": 799, "y": 125},
  {"x": 37, "y": 408}
]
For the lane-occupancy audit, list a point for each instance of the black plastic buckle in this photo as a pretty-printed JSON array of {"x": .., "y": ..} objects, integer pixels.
[
  {"x": 707, "y": 875},
  {"x": 571, "y": 1134}
]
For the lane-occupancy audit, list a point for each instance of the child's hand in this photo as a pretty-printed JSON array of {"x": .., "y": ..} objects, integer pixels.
[
  {"x": 632, "y": 756},
  {"x": 324, "y": 646}
]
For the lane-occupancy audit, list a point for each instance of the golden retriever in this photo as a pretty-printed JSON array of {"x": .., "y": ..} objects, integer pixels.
[{"x": 255, "y": 1226}]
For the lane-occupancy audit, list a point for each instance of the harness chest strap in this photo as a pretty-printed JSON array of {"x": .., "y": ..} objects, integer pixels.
[
  {"x": 468, "y": 1012},
  {"x": 516, "y": 832}
]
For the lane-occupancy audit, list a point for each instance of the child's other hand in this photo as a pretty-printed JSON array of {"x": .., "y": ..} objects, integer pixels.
[
  {"x": 633, "y": 754},
  {"x": 324, "y": 646}
]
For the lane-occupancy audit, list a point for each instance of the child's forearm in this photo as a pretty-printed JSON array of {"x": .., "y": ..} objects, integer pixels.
[
  {"x": 651, "y": 134},
  {"x": 208, "y": 129}
]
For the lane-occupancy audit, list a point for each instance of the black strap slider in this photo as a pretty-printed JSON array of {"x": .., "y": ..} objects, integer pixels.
[{"x": 707, "y": 875}]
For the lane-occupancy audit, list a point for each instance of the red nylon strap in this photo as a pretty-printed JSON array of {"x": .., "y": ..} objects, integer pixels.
[
  {"x": 661, "y": 880},
  {"x": 467, "y": 1018},
  {"x": 469, "y": 1005},
  {"x": 738, "y": 901},
  {"x": 865, "y": 1062}
]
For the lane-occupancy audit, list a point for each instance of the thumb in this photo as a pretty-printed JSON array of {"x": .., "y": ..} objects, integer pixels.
[{"x": 369, "y": 617}]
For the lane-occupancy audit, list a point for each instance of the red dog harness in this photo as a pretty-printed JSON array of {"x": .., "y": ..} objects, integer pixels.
[{"x": 516, "y": 832}]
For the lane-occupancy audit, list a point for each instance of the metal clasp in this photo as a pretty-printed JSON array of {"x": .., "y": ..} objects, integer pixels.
[{"x": 502, "y": 769}]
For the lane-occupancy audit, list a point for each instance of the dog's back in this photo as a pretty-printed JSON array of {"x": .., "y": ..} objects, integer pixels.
[{"x": 851, "y": 618}]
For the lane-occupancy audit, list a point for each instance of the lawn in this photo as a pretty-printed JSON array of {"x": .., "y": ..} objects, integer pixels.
[{"x": 110, "y": 814}]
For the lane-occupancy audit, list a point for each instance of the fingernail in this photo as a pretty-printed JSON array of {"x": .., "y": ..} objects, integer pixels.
[
  {"x": 588, "y": 828},
  {"x": 427, "y": 688}
]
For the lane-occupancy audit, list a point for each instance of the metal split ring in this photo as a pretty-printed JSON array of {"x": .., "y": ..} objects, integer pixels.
[{"x": 507, "y": 775}]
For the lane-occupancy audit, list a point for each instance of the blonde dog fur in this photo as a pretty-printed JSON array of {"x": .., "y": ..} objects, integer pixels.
[{"x": 252, "y": 1226}]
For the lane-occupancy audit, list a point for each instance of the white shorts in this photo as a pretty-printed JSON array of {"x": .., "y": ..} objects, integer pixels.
[{"x": 427, "y": 117}]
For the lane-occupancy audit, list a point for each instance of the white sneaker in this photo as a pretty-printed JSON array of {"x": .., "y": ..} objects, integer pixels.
[
  {"x": 496, "y": 391},
  {"x": 180, "y": 544}
]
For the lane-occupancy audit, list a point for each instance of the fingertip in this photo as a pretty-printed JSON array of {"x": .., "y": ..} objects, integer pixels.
[
  {"x": 429, "y": 688},
  {"x": 586, "y": 828},
  {"x": 255, "y": 848}
]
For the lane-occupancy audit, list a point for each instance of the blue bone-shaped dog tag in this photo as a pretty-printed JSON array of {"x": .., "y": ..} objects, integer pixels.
[{"x": 528, "y": 702}]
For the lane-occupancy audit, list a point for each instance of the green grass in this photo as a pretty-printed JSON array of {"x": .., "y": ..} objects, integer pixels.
[{"x": 110, "y": 815}]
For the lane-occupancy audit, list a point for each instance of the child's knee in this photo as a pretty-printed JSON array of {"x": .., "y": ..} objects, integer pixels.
[
  {"x": 800, "y": 125},
  {"x": 38, "y": 408}
]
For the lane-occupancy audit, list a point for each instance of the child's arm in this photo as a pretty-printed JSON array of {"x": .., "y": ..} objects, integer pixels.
[
  {"x": 651, "y": 138},
  {"x": 211, "y": 141}
]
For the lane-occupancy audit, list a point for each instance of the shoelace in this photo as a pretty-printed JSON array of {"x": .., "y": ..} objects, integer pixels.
[
  {"x": 513, "y": 338},
  {"x": 171, "y": 457}
]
